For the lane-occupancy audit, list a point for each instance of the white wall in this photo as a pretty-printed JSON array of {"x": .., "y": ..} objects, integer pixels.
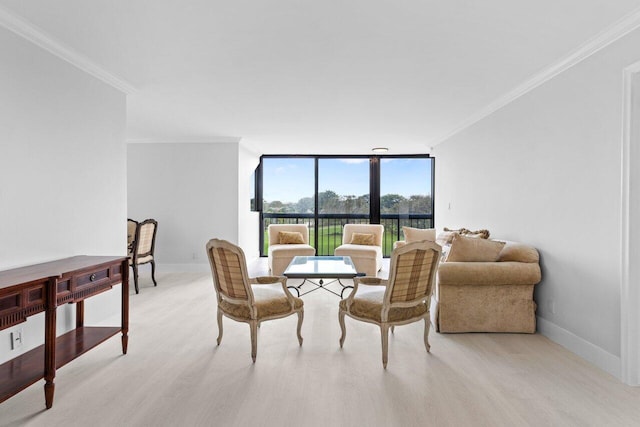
[
  {"x": 546, "y": 170},
  {"x": 248, "y": 221},
  {"x": 195, "y": 192},
  {"x": 62, "y": 172}
]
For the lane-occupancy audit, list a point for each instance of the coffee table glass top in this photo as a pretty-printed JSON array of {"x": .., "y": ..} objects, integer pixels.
[{"x": 321, "y": 266}]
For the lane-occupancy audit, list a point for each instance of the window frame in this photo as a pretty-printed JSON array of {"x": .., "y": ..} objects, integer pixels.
[{"x": 374, "y": 215}]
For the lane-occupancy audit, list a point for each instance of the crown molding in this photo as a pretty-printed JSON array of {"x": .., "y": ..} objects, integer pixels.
[
  {"x": 616, "y": 31},
  {"x": 35, "y": 35},
  {"x": 212, "y": 140}
]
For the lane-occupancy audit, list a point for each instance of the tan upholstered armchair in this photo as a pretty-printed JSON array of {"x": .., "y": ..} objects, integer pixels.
[
  {"x": 249, "y": 300},
  {"x": 365, "y": 253},
  {"x": 284, "y": 244},
  {"x": 141, "y": 247},
  {"x": 404, "y": 298}
]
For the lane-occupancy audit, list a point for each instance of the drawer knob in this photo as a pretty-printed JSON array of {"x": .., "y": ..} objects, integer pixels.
[{"x": 92, "y": 277}]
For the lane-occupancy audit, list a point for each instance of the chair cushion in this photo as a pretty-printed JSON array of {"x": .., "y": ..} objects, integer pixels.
[
  {"x": 367, "y": 304},
  {"x": 418, "y": 234},
  {"x": 358, "y": 250},
  {"x": 291, "y": 250},
  {"x": 362, "y": 239},
  {"x": 270, "y": 301},
  {"x": 471, "y": 249},
  {"x": 290, "y": 237},
  {"x": 142, "y": 260}
]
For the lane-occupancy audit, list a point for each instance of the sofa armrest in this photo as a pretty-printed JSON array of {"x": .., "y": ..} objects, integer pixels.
[{"x": 488, "y": 273}]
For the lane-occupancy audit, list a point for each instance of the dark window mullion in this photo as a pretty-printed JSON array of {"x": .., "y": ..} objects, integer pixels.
[{"x": 374, "y": 190}]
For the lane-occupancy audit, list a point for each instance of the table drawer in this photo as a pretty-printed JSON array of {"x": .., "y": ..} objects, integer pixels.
[
  {"x": 86, "y": 283},
  {"x": 15, "y": 307}
]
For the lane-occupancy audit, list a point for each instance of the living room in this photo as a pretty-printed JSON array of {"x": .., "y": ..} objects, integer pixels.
[{"x": 546, "y": 157}]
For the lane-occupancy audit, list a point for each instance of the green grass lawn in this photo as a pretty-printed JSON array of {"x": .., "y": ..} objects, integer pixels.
[{"x": 331, "y": 238}]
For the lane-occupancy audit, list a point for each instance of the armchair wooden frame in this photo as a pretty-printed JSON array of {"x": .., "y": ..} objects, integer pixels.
[
  {"x": 238, "y": 299},
  {"x": 402, "y": 299}
]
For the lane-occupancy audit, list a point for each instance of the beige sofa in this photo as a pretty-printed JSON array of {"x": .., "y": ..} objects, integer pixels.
[
  {"x": 280, "y": 255},
  {"x": 489, "y": 296}
]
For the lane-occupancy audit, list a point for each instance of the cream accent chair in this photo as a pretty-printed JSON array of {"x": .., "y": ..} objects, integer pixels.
[
  {"x": 249, "y": 300},
  {"x": 280, "y": 255},
  {"x": 366, "y": 258},
  {"x": 404, "y": 298}
]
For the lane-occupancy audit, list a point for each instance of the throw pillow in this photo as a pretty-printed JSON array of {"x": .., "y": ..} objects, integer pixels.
[
  {"x": 469, "y": 249},
  {"x": 419, "y": 234},
  {"x": 290, "y": 238},
  {"x": 362, "y": 239},
  {"x": 482, "y": 234},
  {"x": 446, "y": 237}
]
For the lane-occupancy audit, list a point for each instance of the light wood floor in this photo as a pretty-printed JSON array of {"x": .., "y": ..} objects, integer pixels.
[{"x": 175, "y": 375}]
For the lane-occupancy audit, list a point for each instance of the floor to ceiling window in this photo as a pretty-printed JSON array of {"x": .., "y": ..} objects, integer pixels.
[{"x": 328, "y": 192}]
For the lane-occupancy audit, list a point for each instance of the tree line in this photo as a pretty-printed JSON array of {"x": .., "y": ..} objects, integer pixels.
[{"x": 329, "y": 202}]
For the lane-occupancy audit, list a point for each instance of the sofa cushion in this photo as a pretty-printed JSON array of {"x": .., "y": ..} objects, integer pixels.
[
  {"x": 519, "y": 252},
  {"x": 488, "y": 273},
  {"x": 469, "y": 249},
  {"x": 419, "y": 234},
  {"x": 290, "y": 238},
  {"x": 362, "y": 239}
]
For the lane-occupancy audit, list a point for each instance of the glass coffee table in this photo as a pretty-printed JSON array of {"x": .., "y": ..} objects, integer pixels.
[{"x": 321, "y": 267}]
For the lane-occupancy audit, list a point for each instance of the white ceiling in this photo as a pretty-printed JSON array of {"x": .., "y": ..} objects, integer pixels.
[{"x": 317, "y": 76}]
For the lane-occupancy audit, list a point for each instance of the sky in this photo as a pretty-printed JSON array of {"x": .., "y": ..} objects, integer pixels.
[{"x": 290, "y": 179}]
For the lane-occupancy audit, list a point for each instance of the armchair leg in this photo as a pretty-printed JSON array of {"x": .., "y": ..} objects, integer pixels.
[
  {"x": 427, "y": 325},
  {"x": 153, "y": 272},
  {"x": 135, "y": 277},
  {"x": 254, "y": 339},
  {"x": 219, "y": 326},
  {"x": 300, "y": 318},
  {"x": 384, "y": 330},
  {"x": 342, "y": 327}
]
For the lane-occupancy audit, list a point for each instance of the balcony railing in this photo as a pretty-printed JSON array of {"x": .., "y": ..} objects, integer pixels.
[{"x": 328, "y": 234}]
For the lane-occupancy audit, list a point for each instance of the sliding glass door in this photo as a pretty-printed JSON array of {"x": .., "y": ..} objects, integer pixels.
[{"x": 327, "y": 192}]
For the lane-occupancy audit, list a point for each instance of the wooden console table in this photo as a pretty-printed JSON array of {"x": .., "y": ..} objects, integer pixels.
[{"x": 40, "y": 288}]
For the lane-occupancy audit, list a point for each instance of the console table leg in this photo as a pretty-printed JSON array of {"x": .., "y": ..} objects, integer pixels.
[
  {"x": 80, "y": 314},
  {"x": 49, "y": 388},
  {"x": 50, "y": 343},
  {"x": 125, "y": 306}
]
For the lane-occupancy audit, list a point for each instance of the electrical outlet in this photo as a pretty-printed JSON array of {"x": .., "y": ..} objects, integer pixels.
[
  {"x": 551, "y": 306},
  {"x": 16, "y": 339}
]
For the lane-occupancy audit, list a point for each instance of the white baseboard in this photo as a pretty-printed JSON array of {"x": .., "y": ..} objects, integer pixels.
[
  {"x": 183, "y": 268},
  {"x": 583, "y": 348}
]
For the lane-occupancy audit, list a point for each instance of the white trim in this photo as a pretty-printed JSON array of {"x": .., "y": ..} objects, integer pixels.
[
  {"x": 629, "y": 243},
  {"x": 211, "y": 140},
  {"x": 591, "y": 353},
  {"x": 621, "y": 28},
  {"x": 35, "y": 35}
]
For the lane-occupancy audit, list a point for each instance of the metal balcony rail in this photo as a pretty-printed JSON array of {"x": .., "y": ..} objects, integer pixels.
[{"x": 328, "y": 233}]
